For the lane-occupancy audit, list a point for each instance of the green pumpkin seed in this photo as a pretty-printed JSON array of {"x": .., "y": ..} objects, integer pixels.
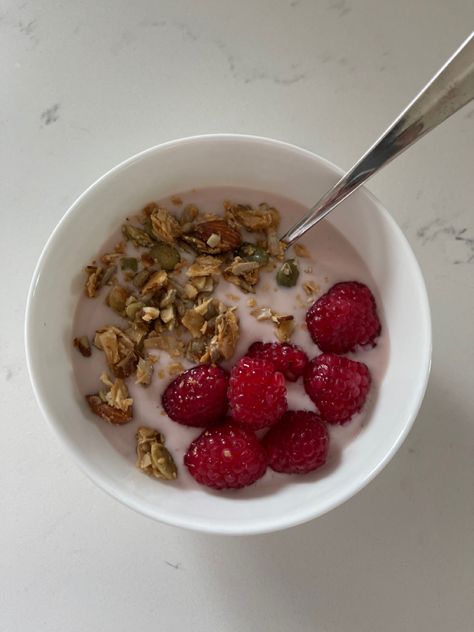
[
  {"x": 252, "y": 252},
  {"x": 288, "y": 274},
  {"x": 166, "y": 256}
]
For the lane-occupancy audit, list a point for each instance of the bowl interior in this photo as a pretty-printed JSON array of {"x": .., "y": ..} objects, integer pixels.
[{"x": 257, "y": 163}]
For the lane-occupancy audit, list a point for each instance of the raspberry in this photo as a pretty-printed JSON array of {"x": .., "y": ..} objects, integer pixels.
[
  {"x": 338, "y": 386},
  {"x": 344, "y": 317},
  {"x": 226, "y": 456},
  {"x": 257, "y": 393},
  {"x": 290, "y": 360},
  {"x": 197, "y": 397},
  {"x": 298, "y": 443}
]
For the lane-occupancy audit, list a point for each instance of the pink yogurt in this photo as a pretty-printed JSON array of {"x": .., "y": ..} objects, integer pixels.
[{"x": 333, "y": 259}]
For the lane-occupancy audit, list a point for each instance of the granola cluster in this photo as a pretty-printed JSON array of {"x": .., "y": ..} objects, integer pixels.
[{"x": 161, "y": 279}]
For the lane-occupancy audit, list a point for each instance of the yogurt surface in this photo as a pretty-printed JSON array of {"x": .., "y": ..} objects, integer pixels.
[{"x": 332, "y": 260}]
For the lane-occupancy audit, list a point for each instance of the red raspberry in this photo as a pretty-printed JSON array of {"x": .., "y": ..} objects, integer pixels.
[
  {"x": 290, "y": 360},
  {"x": 344, "y": 317},
  {"x": 338, "y": 386},
  {"x": 226, "y": 456},
  {"x": 257, "y": 393},
  {"x": 197, "y": 397},
  {"x": 298, "y": 443}
]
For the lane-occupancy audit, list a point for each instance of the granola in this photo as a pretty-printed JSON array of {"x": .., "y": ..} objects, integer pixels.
[
  {"x": 163, "y": 277},
  {"x": 152, "y": 456}
]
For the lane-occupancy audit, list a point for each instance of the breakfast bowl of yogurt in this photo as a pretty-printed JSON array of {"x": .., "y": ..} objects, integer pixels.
[{"x": 201, "y": 372}]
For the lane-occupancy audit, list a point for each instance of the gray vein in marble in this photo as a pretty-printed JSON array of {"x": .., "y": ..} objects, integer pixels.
[
  {"x": 80, "y": 128},
  {"x": 8, "y": 373},
  {"x": 438, "y": 229},
  {"x": 51, "y": 115},
  {"x": 27, "y": 28},
  {"x": 341, "y": 7},
  {"x": 235, "y": 65},
  {"x": 177, "y": 566},
  {"x": 470, "y": 114}
]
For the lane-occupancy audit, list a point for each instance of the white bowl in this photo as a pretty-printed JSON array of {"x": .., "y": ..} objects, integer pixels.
[{"x": 267, "y": 165}]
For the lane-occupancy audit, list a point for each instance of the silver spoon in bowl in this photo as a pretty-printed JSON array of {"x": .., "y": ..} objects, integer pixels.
[{"x": 450, "y": 89}]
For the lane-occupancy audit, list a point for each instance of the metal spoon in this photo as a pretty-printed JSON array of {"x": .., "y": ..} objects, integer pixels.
[{"x": 450, "y": 89}]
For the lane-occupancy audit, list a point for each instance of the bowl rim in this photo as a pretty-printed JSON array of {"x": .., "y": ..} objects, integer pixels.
[{"x": 208, "y": 527}]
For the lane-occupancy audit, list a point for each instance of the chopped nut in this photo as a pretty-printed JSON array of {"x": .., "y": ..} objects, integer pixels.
[
  {"x": 169, "y": 298},
  {"x": 190, "y": 291},
  {"x": 228, "y": 238},
  {"x": 262, "y": 313},
  {"x": 302, "y": 251},
  {"x": 147, "y": 259},
  {"x": 311, "y": 288},
  {"x": 107, "y": 412},
  {"x": 132, "y": 307},
  {"x": 251, "y": 302},
  {"x": 82, "y": 344},
  {"x": 193, "y": 243},
  {"x": 114, "y": 405},
  {"x": 253, "y": 220},
  {"x": 138, "y": 236},
  {"x": 110, "y": 257},
  {"x": 284, "y": 327},
  {"x": 199, "y": 282},
  {"x": 239, "y": 267},
  {"x": 275, "y": 246},
  {"x": 189, "y": 214},
  {"x": 176, "y": 200},
  {"x": 117, "y": 395},
  {"x": 155, "y": 282},
  {"x": 240, "y": 282},
  {"x": 144, "y": 371},
  {"x": 108, "y": 276},
  {"x": 117, "y": 299},
  {"x": 137, "y": 333},
  {"x": 152, "y": 456},
  {"x": 119, "y": 350},
  {"x": 164, "y": 225},
  {"x": 93, "y": 281},
  {"x": 227, "y": 333},
  {"x": 193, "y": 321},
  {"x": 148, "y": 209},
  {"x": 204, "y": 266},
  {"x": 150, "y": 313},
  {"x": 167, "y": 314}
]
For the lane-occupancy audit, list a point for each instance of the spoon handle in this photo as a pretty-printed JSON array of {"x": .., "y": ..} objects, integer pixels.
[{"x": 450, "y": 89}]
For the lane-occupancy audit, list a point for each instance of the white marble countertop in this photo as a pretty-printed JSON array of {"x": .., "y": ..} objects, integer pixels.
[{"x": 86, "y": 84}]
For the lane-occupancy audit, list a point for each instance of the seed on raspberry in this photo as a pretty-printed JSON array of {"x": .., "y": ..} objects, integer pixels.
[
  {"x": 197, "y": 397},
  {"x": 289, "y": 359},
  {"x": 257, "y": 393},
  {"x": 226, "y": 456},
  {"x": 298, "y": 443},
  {"x": 338, "y": 386},
  {"x": 343, "y": 318}
]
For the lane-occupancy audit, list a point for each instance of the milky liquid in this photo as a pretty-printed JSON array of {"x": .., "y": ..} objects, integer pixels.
[{"x": 333, "y": 259}]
